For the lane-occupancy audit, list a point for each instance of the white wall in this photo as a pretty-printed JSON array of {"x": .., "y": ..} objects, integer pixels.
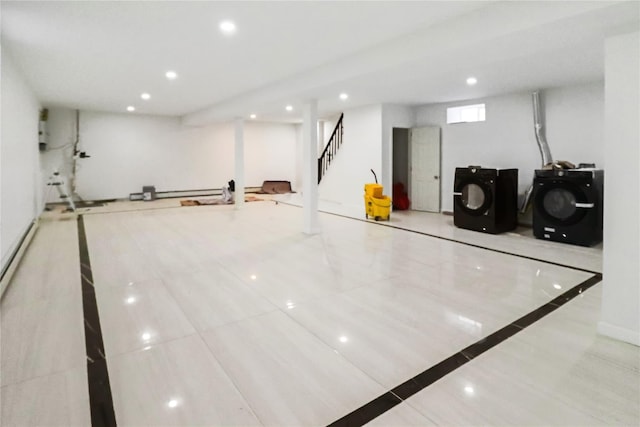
[
  {"x": 361, "y": 151},
  {"x": 620, "y": 317},
  {"x": 574, "y": 129},
  {"x": 129, "y": 151},
  {"x": 20, "y": 167},
  {"x": 575, "y": 123},
  {"x": 270, "y": 153},
  {"x": 58, "y": 155},
  {"x": 2, "y": 258},
  {"x": 299, "y": 149},
  {"x": 328, "y": 125}
]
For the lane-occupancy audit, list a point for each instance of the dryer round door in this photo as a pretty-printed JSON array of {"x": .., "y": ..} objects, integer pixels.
[
  {"x": 562, "y": 203},
  {"x": 473, "y": 196}
]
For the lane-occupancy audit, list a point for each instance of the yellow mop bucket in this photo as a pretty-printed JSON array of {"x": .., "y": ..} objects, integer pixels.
[{"x": 376, "y": 204}]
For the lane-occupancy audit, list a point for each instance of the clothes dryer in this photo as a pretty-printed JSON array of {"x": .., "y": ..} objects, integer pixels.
[
  {"x": 485, "y": 200},
  {"x": 567, "y": 205}
]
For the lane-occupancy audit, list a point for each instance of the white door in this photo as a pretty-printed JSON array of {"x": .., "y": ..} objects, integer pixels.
[{"x": 424, "y": 157}]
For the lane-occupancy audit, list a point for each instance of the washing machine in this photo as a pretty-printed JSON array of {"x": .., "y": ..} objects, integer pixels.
[
  {"x": 485, "y": 200},
  {"x": 567, "y": 205}
]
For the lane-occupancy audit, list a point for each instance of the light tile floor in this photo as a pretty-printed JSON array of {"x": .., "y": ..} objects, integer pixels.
[
  {"x": 520, "y": 241},
  {"x": 556, "y": 372},
  {"x": 217, "y": 316}
]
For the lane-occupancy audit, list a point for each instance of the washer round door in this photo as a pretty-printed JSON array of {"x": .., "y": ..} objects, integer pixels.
[
  {"x": 473, "y": 196},
  {"x": 561, "y": 203}
]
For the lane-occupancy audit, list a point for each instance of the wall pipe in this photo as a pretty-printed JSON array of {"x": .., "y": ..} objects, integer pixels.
[
  {"x": 543, "y": 146},
  {"x": 545, "y": 153}
]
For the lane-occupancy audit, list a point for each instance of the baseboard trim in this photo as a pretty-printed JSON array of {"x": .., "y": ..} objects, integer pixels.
[
  {"x": 10, "y": 268},
  {"x": 619, "y": 333},
  {"x": 525, "y": 224},
  {"x": 190, "y": 193}
]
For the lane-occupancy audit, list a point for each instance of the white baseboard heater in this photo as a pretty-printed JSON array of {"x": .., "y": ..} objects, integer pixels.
[
  {"x": 12, "y": 264},
  {"x": 190, "y": 193}
]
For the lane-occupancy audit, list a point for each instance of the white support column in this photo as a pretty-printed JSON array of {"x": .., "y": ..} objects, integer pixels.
[
  {"x": 620, "y": 314},
  {"x": 321, "y": 137},
  {"x": 311, "y": 225},
  {"x": 239, "y": 162}
]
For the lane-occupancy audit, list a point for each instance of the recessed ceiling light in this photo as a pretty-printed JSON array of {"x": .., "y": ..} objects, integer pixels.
[
  {"x": 289, "y": 108},
  {"x": 131, "y": 108},
  {"x": 253, "y": 116},
  {"x": 171, "y": 75},
  {"x": 227, "y": 27},
  {"x": 471, "y": 81},
  {"x": 344, "y": 96},
  {"x": 145, "y": 96}
]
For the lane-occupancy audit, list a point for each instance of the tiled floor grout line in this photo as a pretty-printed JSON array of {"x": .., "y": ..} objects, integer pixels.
[
  {"x": 277, "y": 308},
  {"x": 231, "y": 380},
  {"x": 48, "y": 374},
  {"x": 380, "y": 405},
  {"x": 330, "y": 347}
]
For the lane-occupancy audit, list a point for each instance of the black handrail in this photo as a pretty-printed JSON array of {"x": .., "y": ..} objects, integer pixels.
[{"x": 330, "y": 149}]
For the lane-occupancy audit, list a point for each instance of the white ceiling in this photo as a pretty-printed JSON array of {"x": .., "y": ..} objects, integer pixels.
[{"x": 103, "y": 55}]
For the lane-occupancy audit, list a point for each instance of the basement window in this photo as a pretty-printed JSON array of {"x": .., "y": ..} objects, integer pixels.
[{"x": 466, "y": 114}]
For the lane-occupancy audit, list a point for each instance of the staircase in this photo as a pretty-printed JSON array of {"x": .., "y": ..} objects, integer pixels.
[{"x": 330, "y": 149}]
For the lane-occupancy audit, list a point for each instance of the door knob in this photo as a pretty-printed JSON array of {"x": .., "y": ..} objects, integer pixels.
[{"x": 435, "y": 177}]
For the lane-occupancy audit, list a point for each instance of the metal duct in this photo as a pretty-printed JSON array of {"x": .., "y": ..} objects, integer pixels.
[
  {"x": 527, "y": 198},
  {"x": 545, "y": 152},
  {"x": 538, "y": 127}
]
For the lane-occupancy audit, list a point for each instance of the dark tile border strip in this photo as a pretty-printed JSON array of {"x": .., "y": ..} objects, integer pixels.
[
  {"x": 383, "y": 403},
  {"x": 100, "y": 399},
  {"x": 450, "y": 240}
]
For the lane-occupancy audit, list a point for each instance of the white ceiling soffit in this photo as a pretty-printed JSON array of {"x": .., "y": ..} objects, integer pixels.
[
  {"x": 538, "y": 57},
  {"x": 102, "y": 55},
  {"x": 512, "y": 46}
]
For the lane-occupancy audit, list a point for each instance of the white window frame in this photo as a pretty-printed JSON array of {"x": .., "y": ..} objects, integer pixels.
[{"x": 466, "y": 114}]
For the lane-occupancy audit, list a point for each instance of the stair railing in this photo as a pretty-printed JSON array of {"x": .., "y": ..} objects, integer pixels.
[{"x": 330, "y": 150}]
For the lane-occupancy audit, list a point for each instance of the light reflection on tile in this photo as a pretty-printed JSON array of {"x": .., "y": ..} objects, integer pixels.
[
  {"x": 307, "y": 382},
  {"x": 562, "y": 372},
  {"x": 176, "y": 383},
  {"x": 520, "y": 241},
  {"x": 387, "y": 350},
  {"x": 288, "y": 313},
  {"x": 614, "y": 366},
  {"x": 280, "y": 283},
  {"x": 132, "y": 267},
  {"x": 214, "y": 297},
  {"x": 446, "y": 402},
  {"x": 155, "y": 317}
]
